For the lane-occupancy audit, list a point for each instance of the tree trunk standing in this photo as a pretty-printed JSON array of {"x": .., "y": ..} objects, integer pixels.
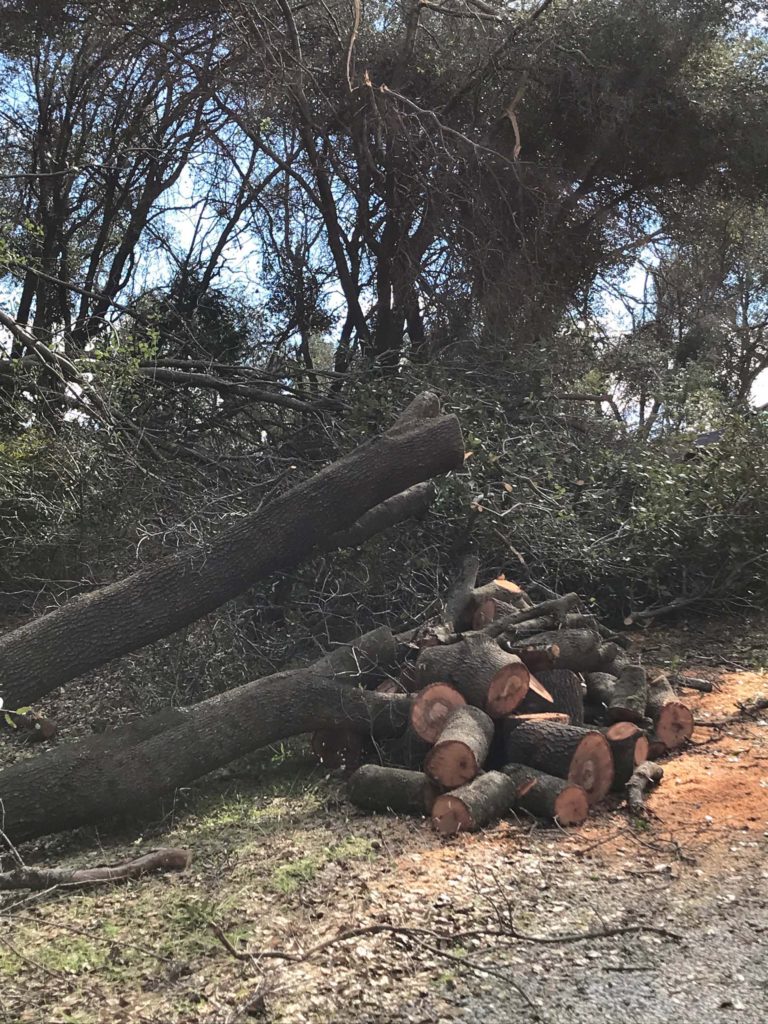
[
  {"x": 127, "y": 769},
  {"x": 179, "y": 589}
]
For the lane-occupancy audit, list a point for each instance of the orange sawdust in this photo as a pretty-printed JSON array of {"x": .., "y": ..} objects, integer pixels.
[
  {"x": 724, "y": 781},
  {"x": 715, "y": 788}
]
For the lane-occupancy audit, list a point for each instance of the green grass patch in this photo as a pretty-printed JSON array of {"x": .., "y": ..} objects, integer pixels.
[{"x": 289, "y": 877}]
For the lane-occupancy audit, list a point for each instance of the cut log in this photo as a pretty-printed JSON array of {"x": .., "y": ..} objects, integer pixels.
[
  {"x": 630, "y": 695},
  {"x": 545, "y": 796},
  {"x": 600, "y": 686},
  {"x": 673, "y": 721},
  {"x": 338, "y": 748},
  {"x": 373, "y": 788},
  {"x": 501, "y": 590},
  {"x": 166, "y": 859},
  {"x": 644, "y": 777},
  {"x": 485, "y": 799},
  {"x": 174, "y": 591},
  {"x": 125, "y": 770},
  {"x": 476, "y": 666},
  {"x": 629, "y": 746},
  {"x": 567, "y": 695},
  {"x": 582, "y": 756},
  {"x": 580, "y": 650},
  {"x": 431, "y": 708},
  {"x": 461, "y": 749}
]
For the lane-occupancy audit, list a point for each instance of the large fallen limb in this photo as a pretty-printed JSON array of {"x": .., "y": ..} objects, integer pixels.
[
  {"x": 125, "y": 770},
  {"x": 168, "y": 859},
  {"x": 177, "y": 590}
]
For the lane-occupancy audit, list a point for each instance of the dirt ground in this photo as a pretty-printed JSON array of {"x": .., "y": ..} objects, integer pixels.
[{"x": 625, "y": 923}]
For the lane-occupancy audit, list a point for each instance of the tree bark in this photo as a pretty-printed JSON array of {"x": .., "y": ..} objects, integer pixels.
[
  {"x": 565, "y": 689},
  {"x": 600, "y": 686},
  {"x": 545, "y": 796},
  {"x": 468, "y": 808},
  {"x": 500, "y": 596},
  {"x": 582, "y": 756},
  {"x": 373, "y": 788},
  {"x": 178, "y": 589},
  {"x": 461, "y": 750},
  {"x": 630, "y": 695},
  {"x": 125, "y": 770},
  {"x": 484, "y": 675},
  {"x": 410, "y": 504}
]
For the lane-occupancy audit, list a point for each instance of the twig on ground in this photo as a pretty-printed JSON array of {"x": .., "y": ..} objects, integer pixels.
[{"x": 167, "y": 859}]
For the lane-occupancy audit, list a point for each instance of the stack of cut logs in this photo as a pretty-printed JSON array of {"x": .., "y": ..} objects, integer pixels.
[{"x": 536, "y": 709}]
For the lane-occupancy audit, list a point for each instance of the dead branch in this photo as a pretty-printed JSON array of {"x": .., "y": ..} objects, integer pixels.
[{"x": 167, "y": 859}]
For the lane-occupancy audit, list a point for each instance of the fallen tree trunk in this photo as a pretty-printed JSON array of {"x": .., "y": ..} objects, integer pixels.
[
  {"x": 124, "y": 770},
  {"x": 38, "y": 879},
  {"x": 178, "y": 589},
  {"x": 630, "y": 695},
  {"x": 580, "y": 650},
  {"x": 373, "y": 788}
]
